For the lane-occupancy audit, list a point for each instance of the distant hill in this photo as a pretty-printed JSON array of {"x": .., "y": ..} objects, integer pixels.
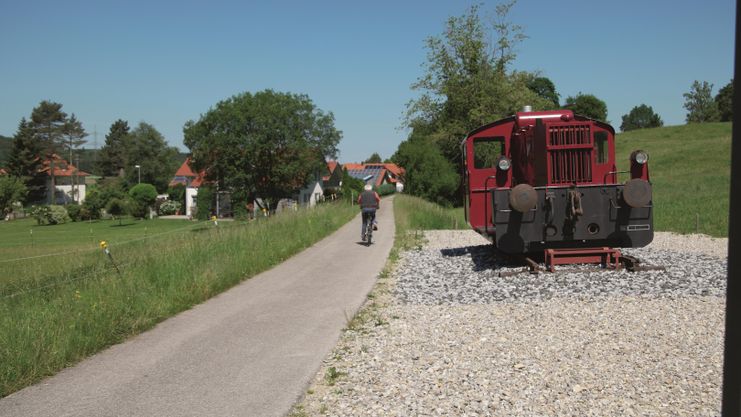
[{"x": 690, "y": 168}]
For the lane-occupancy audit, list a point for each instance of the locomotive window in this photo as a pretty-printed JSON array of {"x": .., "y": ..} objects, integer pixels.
[
  {"x": 486, "y": 151},
  {"x": 600, "y": 145}
]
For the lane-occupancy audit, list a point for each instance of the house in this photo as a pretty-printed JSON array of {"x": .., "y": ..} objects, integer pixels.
[
  {"x": 332, "y": 179},
  {"x": 69, "y": 181},
  {"x": 191, "y": 181},
  {"x": 377, "y": 174}
]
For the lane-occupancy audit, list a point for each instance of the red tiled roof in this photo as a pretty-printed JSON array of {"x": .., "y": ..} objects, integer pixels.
[
  {"x": 351, "y": 165},
  {"x": 184, "y": 170},
  {"x": 331, "y": 165},
  {"x": 394, "y": 169},
  {"x": 62, "y": 168}
]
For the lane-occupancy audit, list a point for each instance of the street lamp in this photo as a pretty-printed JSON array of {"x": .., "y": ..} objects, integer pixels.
[{"x": 139, "y": 171}]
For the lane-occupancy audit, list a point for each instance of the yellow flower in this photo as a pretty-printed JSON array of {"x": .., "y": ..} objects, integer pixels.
[{"x": 103, "y": 244}]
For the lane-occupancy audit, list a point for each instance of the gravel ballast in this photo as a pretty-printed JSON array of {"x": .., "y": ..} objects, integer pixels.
[{"x": 444, "y": 335}]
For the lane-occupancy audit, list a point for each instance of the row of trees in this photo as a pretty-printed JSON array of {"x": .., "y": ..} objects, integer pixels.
[
  {"x": 50, "y": 131},
  {"x": 468, "y": 82}
]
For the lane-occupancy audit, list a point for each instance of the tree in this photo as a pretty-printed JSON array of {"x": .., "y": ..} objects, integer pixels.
[
  {"x": 266, "y": 144},
  {"x": 50, "y": 125},
  {"x": 112, "y": 156},
  {"x": 74, "y": 135},
  {"x": 428, "y": 174},
  {"x": 724, "y": 102},
  {"x": 467, "y": 82},
  {"x": 146, "y": 147},
  {"x": 374, "y": 159},
  {"x": 143, "y": 196},
  {"x": 545, "y": 89},
  {"x": 12, "y": 190},
  {"x": 641, "y": 117},
  {"x": 24, "y": 161},
  {"x": 587, "y": 105},
  {"x": 117, "y": 208},
  {"x": 701, "y": 108}
]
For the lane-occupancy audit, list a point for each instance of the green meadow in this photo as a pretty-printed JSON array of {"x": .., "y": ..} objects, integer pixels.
[
  {"x": 690, "y": 169},
  {"x": 62, "y": 298}
]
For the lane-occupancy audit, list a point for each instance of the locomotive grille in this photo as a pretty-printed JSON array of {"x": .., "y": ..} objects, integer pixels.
[{"x": 570, "y": 154}]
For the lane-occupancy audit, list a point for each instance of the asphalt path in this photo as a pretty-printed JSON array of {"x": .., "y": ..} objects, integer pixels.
[{"x": 250, "y": 351}]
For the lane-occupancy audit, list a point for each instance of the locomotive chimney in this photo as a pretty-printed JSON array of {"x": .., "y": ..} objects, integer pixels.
[{"x": 527, "y": 108}]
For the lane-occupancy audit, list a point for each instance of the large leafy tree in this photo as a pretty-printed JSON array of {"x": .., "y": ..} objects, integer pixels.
[
  {"x": 545, "y": 89},
  {"x": 266, "y": 144},
  {"x": 428, "y": 174},
  {"x": 25, "y": 161},
  {"x": 701, "y": 107},
  {"x": 587, "y": 105},
  {"x": 641, "y": 117},
  {"x": 147, "y": 148},
  {"x": 112, "y": 156},
  {"x": 467, "y": 81},
  {"x": 724, "y": 102}
]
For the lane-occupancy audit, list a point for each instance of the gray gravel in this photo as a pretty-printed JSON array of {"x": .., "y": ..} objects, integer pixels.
[{"x": 444, "y": 335}]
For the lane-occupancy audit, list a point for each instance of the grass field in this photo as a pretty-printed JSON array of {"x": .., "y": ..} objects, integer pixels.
[
  {"x": 56, "y": 310},
  {"x": 690, "y": 168}
]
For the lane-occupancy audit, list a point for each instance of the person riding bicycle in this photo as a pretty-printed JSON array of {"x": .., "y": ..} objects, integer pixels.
[{"x": 369, "y": 202}]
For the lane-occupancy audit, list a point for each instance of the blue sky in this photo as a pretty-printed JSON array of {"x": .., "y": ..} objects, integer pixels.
[{"x": 168, "y": 62}]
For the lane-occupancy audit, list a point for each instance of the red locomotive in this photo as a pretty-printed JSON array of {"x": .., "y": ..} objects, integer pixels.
[{"x": 548, "y": 180}]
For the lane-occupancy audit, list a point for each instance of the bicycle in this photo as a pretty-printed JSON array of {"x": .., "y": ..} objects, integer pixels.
[{"x": 368, "y": 232}]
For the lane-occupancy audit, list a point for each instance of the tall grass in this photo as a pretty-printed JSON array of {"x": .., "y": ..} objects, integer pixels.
[
  {"x": 690, "y": 168},
  {"x": 81, "y": 308},
  {"x": 413, "y": 214}
]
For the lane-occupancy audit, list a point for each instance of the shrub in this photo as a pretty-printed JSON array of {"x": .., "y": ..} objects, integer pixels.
[
  {"x": 50, "y": 214},
  {"x": 205, "y": 202},
  {"x": 92, "y": 205},
  {"x": 142, "y": 197},
  {"x": 58, "y": 215},
  {"x": 177, "y": 193},
  {"x": 117, "y": 208},
  {"x": 75, "y": 212},
  {"x": 169, "y": 207},
  {"x": 386, "y": 189},
  {"x": 40, "y": 213}
]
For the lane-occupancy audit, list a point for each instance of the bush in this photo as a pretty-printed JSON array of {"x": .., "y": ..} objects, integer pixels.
[
  {"x": 205, "y": 202},
  {"x": 50, "y": 214},
  {"x": 169, "y": 207},
  {"x": 386, "y": 189},
  {"x": 142, "y": 196},
  {"x": 92, "y": 205},
  {"x": 75, "y": 212},
  {"x": 177, "y": 193}
]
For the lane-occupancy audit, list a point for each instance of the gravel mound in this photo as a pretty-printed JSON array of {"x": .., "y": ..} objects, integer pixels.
[{"x": 444, "y": 335}]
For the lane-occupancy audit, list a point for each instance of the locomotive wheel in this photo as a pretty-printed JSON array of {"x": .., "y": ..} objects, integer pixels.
[
  {"x": 523, "y": 198},
  {"x": 637, "y": 193}
]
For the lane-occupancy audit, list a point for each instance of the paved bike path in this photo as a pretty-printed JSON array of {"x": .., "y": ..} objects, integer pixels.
[{"x": 250, "y": 351}]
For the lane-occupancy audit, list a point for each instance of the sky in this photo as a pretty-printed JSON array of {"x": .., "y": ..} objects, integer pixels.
[{"x": 167, "y": 62}]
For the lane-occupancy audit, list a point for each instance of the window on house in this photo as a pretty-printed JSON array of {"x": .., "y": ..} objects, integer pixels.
[{"x": 486, "y": 151}]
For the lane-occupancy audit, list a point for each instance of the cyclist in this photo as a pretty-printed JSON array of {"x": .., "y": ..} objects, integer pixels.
[{"x": 369, "y": 202}]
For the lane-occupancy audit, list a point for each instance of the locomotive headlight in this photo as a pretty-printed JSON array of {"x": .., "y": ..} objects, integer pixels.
[
  {"x": 639, "y": 157},
  {"x": 504, "y": 163}
]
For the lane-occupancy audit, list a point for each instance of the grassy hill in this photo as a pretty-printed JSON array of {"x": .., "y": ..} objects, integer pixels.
[{"x": 690, "y": 168}]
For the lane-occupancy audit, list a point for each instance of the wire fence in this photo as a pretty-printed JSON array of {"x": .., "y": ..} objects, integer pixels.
[{"x": 93, "y": 272}]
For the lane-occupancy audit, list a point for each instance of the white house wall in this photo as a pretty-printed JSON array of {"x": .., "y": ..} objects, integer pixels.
[{"x": 190, "y": 200}]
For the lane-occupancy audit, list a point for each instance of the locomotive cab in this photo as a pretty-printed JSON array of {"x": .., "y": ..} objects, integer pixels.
[{"x": 541, "y": 180}]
